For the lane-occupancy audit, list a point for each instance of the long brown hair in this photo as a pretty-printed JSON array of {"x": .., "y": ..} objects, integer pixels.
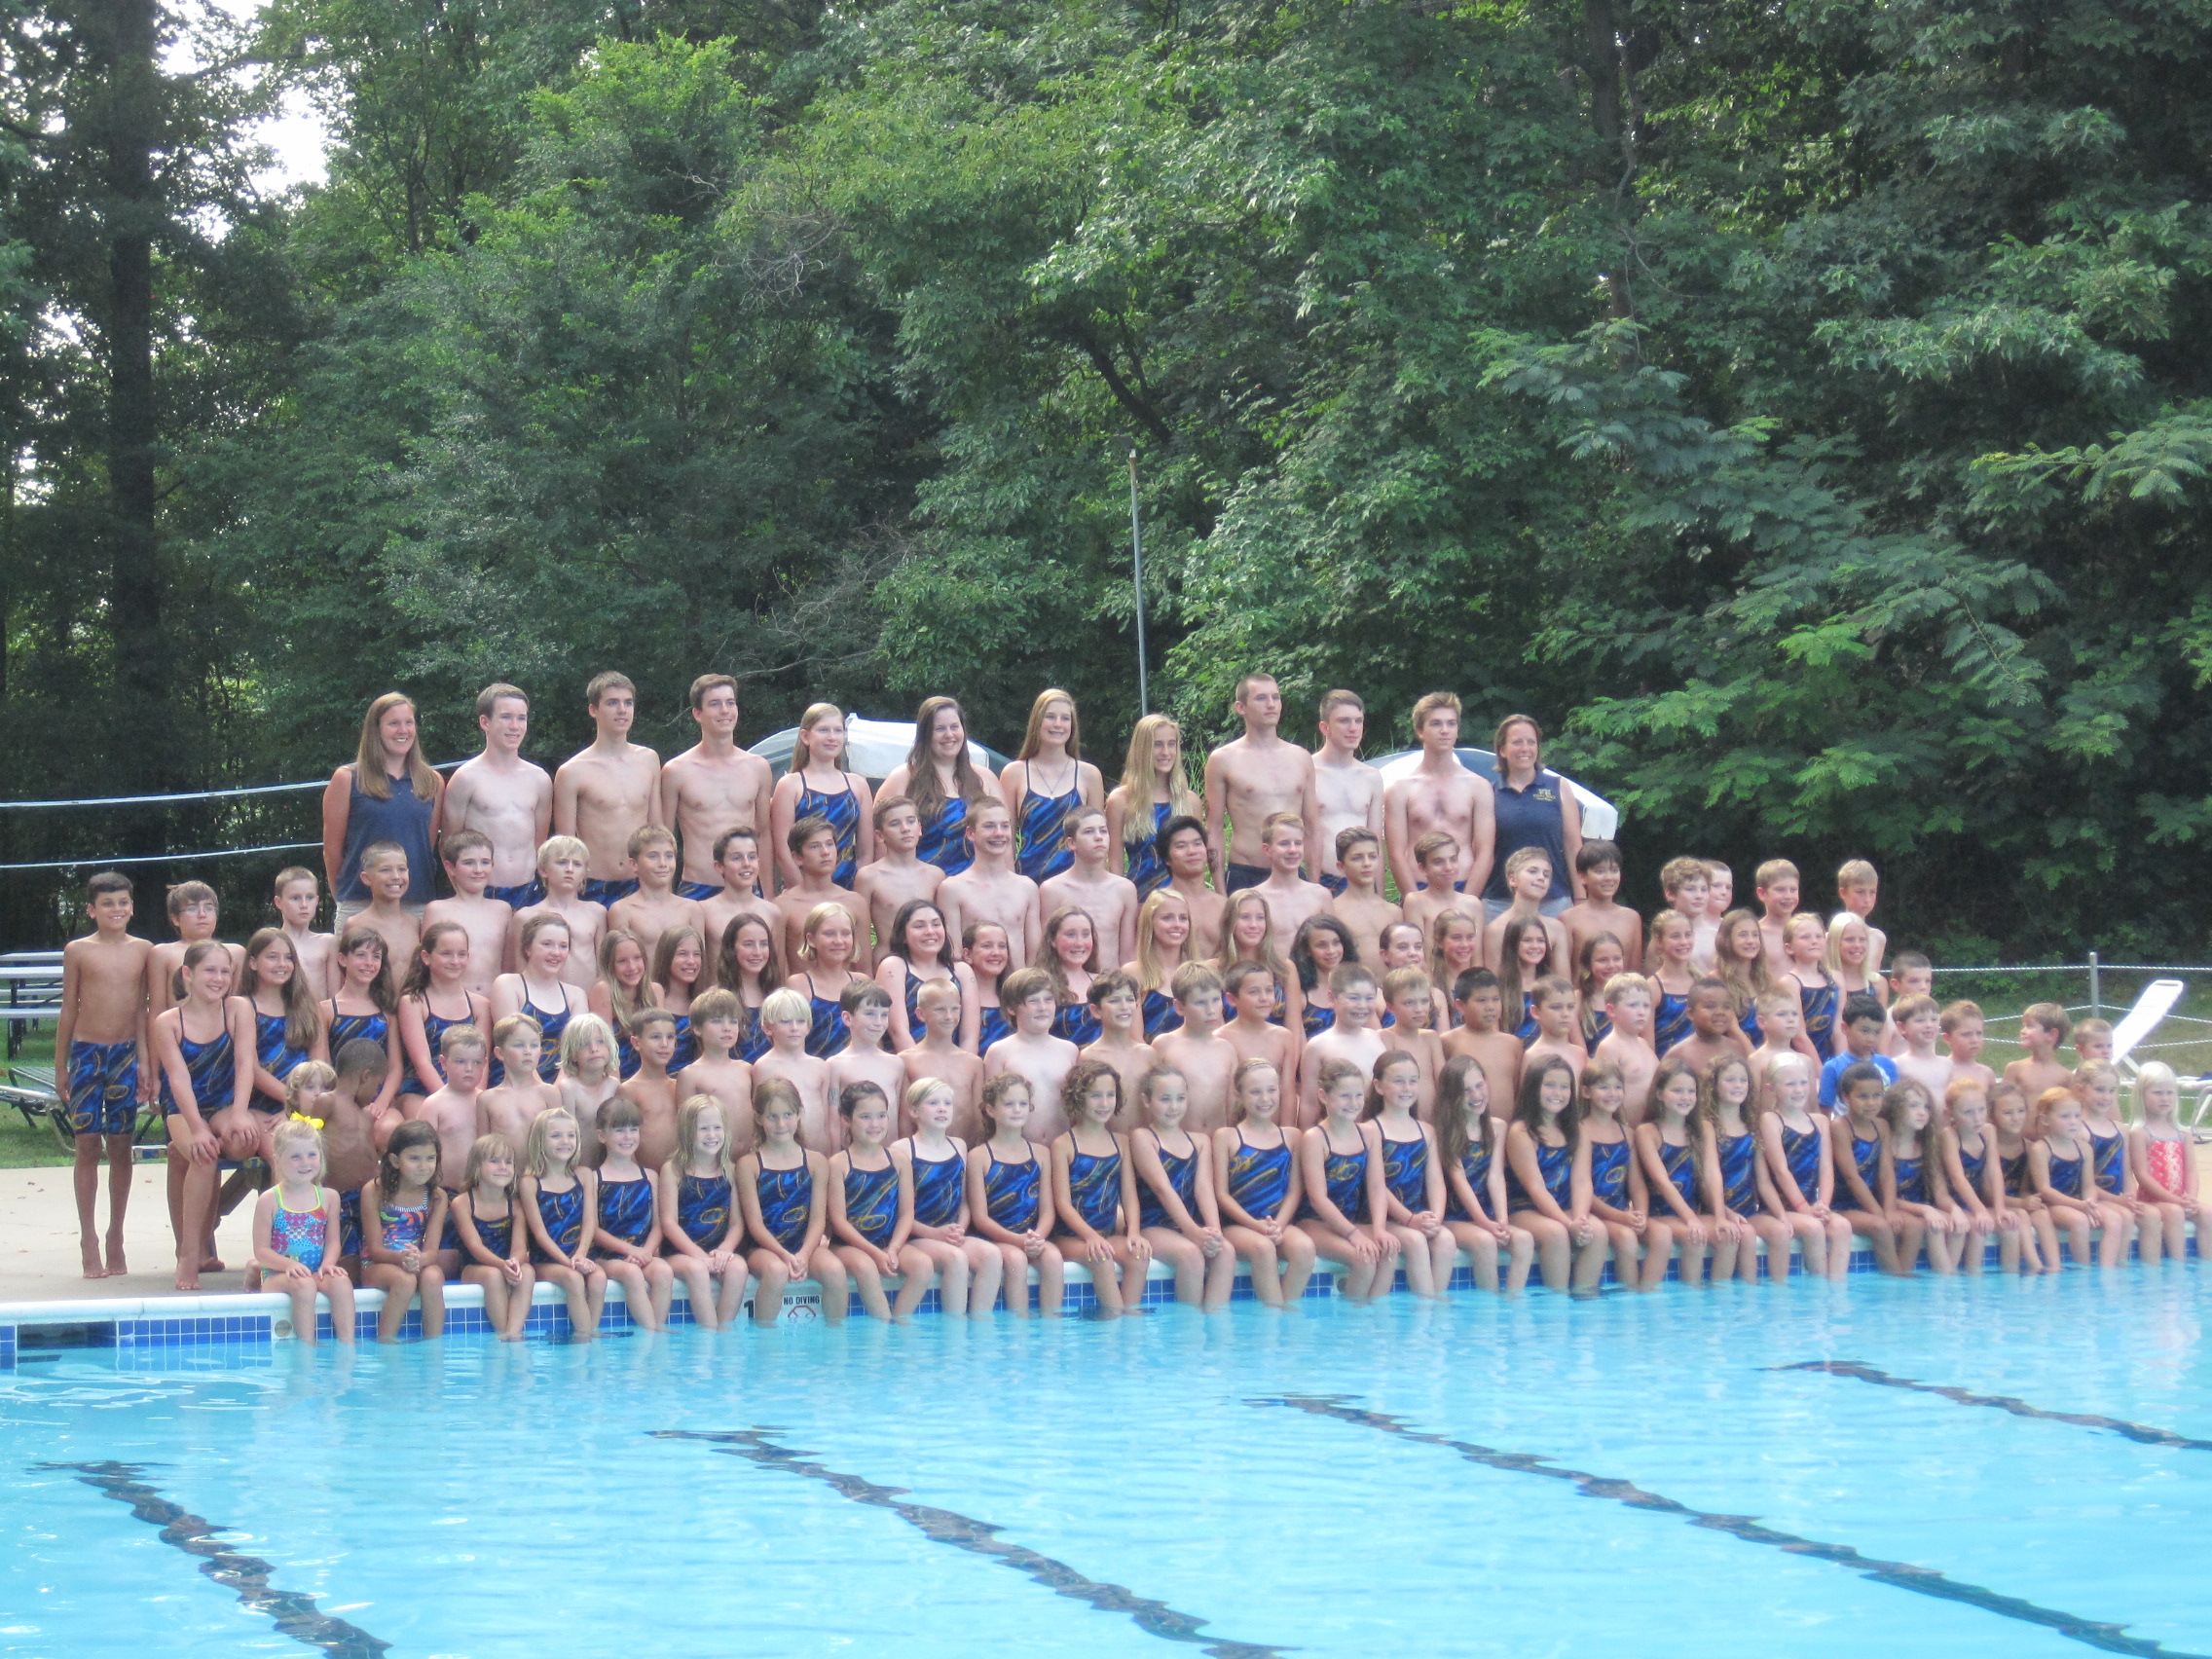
[
  {"x": 301, "y": 1018},
  {"x": 922, "y": 786},
  {"x": 371, "y": 775},
  {"x": 1033, "y": 739}
]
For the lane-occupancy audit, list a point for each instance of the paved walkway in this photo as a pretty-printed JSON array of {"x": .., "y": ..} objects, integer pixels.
[{"x": 38, "y": 1242}]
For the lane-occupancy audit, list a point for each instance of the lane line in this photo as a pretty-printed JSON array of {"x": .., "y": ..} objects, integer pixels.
[
  {"x": 1898, "y": 1574},
  {"x": 2140, "y": 1432},
  {"x": 978, "y": 1538},
  {"x": 246, "y": 1576}
]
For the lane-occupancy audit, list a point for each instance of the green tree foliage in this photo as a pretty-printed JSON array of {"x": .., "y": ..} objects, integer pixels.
[{"x": 1803, "y": 410}]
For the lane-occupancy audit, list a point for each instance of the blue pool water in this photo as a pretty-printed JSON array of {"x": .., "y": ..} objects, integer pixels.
[{"x": 818, "y": 1492}]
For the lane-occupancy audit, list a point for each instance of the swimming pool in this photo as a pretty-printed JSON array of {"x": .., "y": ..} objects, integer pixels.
[{"x": 1656, "y": 1474}]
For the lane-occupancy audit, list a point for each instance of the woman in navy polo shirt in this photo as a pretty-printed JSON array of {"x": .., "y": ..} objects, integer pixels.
[{"x": 1536, "y": 808}]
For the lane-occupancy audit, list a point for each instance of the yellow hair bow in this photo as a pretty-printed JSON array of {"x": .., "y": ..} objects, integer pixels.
[{"x": 303, "y": 1118}]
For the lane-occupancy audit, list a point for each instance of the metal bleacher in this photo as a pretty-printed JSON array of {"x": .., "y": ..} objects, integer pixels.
[{"x": 33, "y": 978}]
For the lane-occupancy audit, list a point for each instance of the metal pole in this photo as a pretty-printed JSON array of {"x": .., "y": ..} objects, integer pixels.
[
  {"x": 2096, "y": 990},
  {"x": 1136, "y": 564}
]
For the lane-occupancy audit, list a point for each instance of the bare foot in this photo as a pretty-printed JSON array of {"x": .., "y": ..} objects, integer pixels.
[
  {"x": 91, "y": 1259},
  {"x": 253, "y": 1279},
  {"x": 187, "y": 1277},
  {"x": 116, "y": 1266},
  {"x": 212, "y": 1264}
]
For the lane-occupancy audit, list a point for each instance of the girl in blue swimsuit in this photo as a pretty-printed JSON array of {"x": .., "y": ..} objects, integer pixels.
[
  {"x": 364, "y": 1008},
  {"x": 872, "y": 1207},
  {"x": 1321, "y": 947},
  {"x": 1671, "y": 1145},
  {"x": 990, "y": 955},
  {"x": 1539, "y": 1179},
  {"x": 1667, "y": 963},
  {"x": 1470, "y": 1141},
  {"x": 1163, "y": 940},
  {"x": 403, "y": 1212},
  {"x": 1742, "y": 1199},
  {"x": 940, "y": 777},
  {"x": 1608, "y": 1183},
  {"x": 1152, "y": 791},
  {"x": 1413, "y": 1175},
  {"x": 1045, "y": 782},
  {"x": 495, "y": 1245},
  {"x": 701, "y": 1227},
  {"x": 1256, "y": 1187},
  {"x": 1340, "y": 1166},
  {"x": 783, "y": 1187},
  {"x": 1793, "y": 1139},
  {"x": 1095, "y": 1191},
  {"x": 627, "y": 1233},
  {"x": 1176, "y": 1204},
  {"x": 287, "y": 1026},
  {"x": 433, "y": 1001},
  {"x": 935, "y": 1165},
  {"x": 558, "y": 1202},
  {"x": 1010, "y": 1197},
  {"x": 817, "y": 784},
  {"x": 1069, "y": 954}
]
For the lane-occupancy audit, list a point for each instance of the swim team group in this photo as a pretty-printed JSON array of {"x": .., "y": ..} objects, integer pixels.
[{"x": 692, "y": 1023}]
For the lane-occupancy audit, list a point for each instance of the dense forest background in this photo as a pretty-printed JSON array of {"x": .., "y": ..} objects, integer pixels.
[{"x": 1802, "y": 408}]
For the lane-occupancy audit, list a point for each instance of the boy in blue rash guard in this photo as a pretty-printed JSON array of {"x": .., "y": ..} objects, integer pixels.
[
  {"x": 1863, "y": 1024},
  {"x": 98, "y": 1041}
]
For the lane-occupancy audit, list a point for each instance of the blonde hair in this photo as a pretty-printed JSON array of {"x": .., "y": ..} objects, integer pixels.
[
  {"x": 1269, "y": 956},
  {"x": 922, "y": 1088},
  {"x": 1841, "y": 923},
  {"x": 481, "y": 1152},
  {"x": 688, "y": 1117},
  {"x": 816, "y": 920},
  {"x": 1140, "y": 783},
  {"x": 307, "y": 1075},
  {"x": 370, "y": 775},
  {"x": 293, "y": 1129},
  {"x": 785, "y": 1004},
  {"x": 1033, "y": 739},
  {"x": 626, "y": 1004},
  {"x": 802, "y": 753},
  {"x": 537, "y": 1155},
  {"x": 1151, "y": 975},
  {"x": 579, "y": 1030}
]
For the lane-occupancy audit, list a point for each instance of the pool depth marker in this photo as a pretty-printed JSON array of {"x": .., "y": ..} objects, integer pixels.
[
  {"x": 293, "y": 1611},
  {"x": 1898, "y": 1574},
  {"x": 978, "y": 1538},
  {"x": 2141, "y": 1433}
]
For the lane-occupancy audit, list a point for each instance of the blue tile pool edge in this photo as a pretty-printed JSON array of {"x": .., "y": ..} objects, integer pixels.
[{"x": 259, "y": 1319}]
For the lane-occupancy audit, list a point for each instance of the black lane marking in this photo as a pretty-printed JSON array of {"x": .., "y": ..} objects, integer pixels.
[
  {"x": 1898, "y": 1574},
  {"x": 978, "y": 1538},
  {"x": 246, "y": 1577},
  {"x": 2141, "y": 1433}
]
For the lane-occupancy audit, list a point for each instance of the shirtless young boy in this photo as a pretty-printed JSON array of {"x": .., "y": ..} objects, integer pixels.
[
  {"x": 1599, "y": 863},
  {"x": 1248, "y": 780},
  {"x": 1629, "y": 999},
  {"x": 992, "y": 890},
  {"x": 1291, "y": 898},
  {"x": 938, "y": 1055},
  {"x": 1714, "y": 1028},
  {"x": 1437, "y": 856},
  {"x": 1482, "y": 1003},
  {"x": 1528, "y": 877},
  {"x": 1962, "y": 1029},
  {"x": 655, "y": 907},
  {"x": 1183, "y": 848},
  {"x": 897, "y": 876},
  {"x": 1032, "y": 1052},
  {"x": 737, "y": 861},
  {"x": 608, "y": 791},
  {"x": 2044, "y": 1027},
  {"x": 1348, "y": 793},
  {"x": 1359, "y": 902},
  {"x": 865, "y": 1057},
  {"x": 813, "y": 842},
  {"x": 348, "y": 1134},
  {"x": 452, "y": 1111},
  {"x": 1685, "y": 883},
  {"x": 1355, "y": 1038},
  {"x": 1920, "y": 1022},
  {"x": 713, "y": 786},
  {"x": 561, "y": 865},
  {"x": 502, "y": 798},
  {"x": 1441, "y": 796},
  {"x": 1248, "y": 991},
  {"x": 788, "y": 1019},
  {"x": 511, "y": 1106},
  {"x": 1858, "y": 888},
  {"x": 1207, "y": 1061},
  {"x": 100, "y": 1049},
  {"x": 194, "y": 912},
  {"x": 1558, "y": 1034},
  {"x": 298, "y": 895},
  {"x": 384, "y": 869},
  {"x": 1121, "y": 1040},
  {"x": 650, "y": 1088},
  {"x": 718, "y": 1022},
  {"x": 1776, "y": 886},
  {"x": 1090, "y": 885},
  {"x": 467, "y": 857}
]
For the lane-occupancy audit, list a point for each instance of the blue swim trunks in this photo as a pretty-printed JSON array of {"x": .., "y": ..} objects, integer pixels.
[
  {"x": 531, "y": 892},
  {"x": 103, "y": 1089},
  {"x": 350, "y": 1223},
  {"x": 1241, "y": 876},
  {"x": 607, "y": 892},
  {"x": 696, "y": 890},
  {"x": 1334, "y": 884}
]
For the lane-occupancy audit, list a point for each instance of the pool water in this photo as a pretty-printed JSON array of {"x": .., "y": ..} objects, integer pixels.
[{"x": 1659, "y": 1475}]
